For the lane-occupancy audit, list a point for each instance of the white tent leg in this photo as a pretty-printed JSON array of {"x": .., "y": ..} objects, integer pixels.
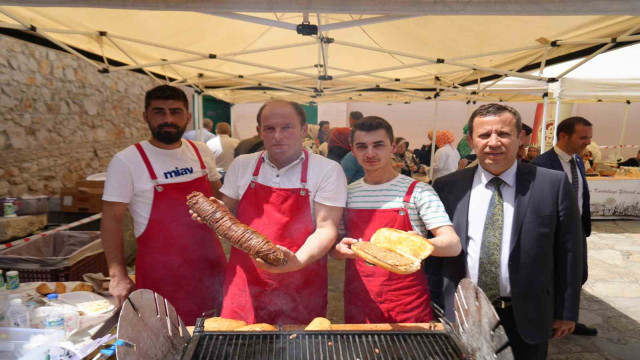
[
  {"x": 624, "y": 129},
  {"x": 556, "y": 121},
  {"x": 435, "y": 133},
  {"x": 543, "y": 136}
]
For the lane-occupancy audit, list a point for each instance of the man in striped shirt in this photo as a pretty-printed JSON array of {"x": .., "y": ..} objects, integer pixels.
[{"x": 384, "y": 198}]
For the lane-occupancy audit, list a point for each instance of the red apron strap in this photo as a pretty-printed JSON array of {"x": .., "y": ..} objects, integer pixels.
[
  {"x": 146, "y": 161},
  {"x": 195, "y": 148},
  {"x": 407, "y": 196},
  {"x": 305, "y": 167},
  {"x": 256, "y": 171}
]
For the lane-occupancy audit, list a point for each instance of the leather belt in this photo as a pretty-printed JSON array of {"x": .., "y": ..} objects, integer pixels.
[{"x": 502, "y": 303}]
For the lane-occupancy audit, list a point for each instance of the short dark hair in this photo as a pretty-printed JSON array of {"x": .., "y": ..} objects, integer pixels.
[
  {"x": 495, "y": 110},
  {"x": 372, "y": 123},
  {"x": 527, "y": 129},
  {"x": 568, "y": 125},
  {"x": 165, "y": 92},
  {"x": 355, "y": 115},
  {"x": 302, "y": 115}
]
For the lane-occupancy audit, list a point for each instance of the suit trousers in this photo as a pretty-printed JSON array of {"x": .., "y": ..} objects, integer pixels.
[{"x": 522, "y": 350}]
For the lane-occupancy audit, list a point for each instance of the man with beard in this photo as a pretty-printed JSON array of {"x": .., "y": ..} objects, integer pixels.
[{"x": 180, "y": 260}]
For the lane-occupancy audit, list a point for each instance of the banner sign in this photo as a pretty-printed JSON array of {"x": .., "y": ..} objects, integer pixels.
[{"x": 619, "y": 198}]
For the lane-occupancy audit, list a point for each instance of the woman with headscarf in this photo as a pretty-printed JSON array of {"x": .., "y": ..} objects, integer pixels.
[
  {"x": 339, "y": 143},
  {"x": 404, "y": 161},
  {"x": 447, "y": 157}
]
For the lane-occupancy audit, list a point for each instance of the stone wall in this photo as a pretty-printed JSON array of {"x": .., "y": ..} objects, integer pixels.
[{"x": 61, "y": 120}]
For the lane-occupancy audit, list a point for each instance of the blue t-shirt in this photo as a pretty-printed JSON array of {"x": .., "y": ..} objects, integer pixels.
[{"x": 351, "y": 168}]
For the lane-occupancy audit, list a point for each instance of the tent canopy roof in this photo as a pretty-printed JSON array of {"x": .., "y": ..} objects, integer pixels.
[{"x": 247, "y": 57}]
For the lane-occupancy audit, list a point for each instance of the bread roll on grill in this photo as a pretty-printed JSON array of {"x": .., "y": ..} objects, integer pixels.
[{"x": 219, "y": 218}]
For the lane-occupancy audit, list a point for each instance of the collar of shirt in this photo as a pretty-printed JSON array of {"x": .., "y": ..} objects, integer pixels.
[
  {"x": 508, "y": 176},
  {"x": 563, "y": 156},
  {"x": 265, "y": 158}
]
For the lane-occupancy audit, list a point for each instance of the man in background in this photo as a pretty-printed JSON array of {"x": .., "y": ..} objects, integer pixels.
[
  {"x": 223, "y": 146},
  {"x": 205, "y": 132},
  {"x": 574, "y": 135},
  {"x": 249, "y": 145}
]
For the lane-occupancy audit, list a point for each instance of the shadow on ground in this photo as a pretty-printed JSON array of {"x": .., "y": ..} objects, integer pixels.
[{"x": 618, "y": 334}]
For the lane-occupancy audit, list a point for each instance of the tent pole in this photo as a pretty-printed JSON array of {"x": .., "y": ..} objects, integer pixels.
[
  {"x": 543, "y": 138},
  {"x": 557, "y": 120},
  {"x": 156, "y": 63},
  {"x": 435, "y": 133},
  {"x": 601, "y": 50},
  {"x": 360, "y": 22},
  {"x": 444, "y": 61},
  {"x": 624, "y": 129}
]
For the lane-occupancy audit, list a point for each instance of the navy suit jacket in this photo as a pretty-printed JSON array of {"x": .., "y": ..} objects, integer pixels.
[
  {"x": 545, "y": 262},
  {"x": 550, "y": 160}
]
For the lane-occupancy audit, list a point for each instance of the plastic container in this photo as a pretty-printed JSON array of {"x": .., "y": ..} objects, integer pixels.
[
  {"x": 14, "y": 207},
  {"x": 17, "y": 342},
  {"x": 87, "y": 302},
  {"x": 33, "y": 205},
  {"x": 13, "y": 280},
  {"x": 18, "y": 314}
]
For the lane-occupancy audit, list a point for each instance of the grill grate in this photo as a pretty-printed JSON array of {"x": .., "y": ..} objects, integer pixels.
[{"x": 327, "y": 345}]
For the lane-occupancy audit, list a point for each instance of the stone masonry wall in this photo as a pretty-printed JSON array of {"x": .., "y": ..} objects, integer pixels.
[{"x": 61, "y": 120}]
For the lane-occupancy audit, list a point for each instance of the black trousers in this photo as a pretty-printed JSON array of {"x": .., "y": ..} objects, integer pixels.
[{"x": 522, "y": 350}]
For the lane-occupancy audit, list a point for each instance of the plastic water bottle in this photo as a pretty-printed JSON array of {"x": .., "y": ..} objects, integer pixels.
[
  {"x": 17, "y": 314},
  {"x": 55, "y": 318}
]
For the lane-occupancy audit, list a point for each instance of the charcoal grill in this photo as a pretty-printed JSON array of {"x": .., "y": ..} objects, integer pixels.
[
  {"x": 327, "y": 345},
  {"x": 151, "y": 330}
]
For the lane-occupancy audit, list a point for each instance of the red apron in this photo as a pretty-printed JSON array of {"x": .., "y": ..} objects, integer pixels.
[
  {"x": 256, "y": 296},
  {"x": 375, "y": 295},
  {"x": 178, "y": 258}
]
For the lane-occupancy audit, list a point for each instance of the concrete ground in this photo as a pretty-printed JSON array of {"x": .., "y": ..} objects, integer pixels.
[{"x": 610, "y": 298}]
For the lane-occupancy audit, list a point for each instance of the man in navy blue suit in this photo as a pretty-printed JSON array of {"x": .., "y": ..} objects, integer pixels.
[{"x": 573, "y": 136}]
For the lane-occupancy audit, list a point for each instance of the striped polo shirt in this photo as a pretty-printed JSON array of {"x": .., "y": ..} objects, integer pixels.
[{"x": 426, "y": 211}]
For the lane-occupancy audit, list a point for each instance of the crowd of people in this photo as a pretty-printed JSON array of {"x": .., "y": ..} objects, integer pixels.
[{"x": 516, "y": 223}]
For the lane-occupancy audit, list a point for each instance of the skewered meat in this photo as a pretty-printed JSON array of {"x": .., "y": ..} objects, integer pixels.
[{"x": 219, "y": 218}]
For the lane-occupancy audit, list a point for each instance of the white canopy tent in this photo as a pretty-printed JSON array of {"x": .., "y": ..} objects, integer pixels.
[
  {"x": 398, "y": 51},
  {"x": 609, "y": 77}
]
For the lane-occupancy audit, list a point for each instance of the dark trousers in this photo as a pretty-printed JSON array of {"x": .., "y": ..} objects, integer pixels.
[
  {"x": 433, "y": 268},
  {"x": 522, "y": 350}
]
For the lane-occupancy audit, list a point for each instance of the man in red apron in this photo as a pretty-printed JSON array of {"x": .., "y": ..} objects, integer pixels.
[
  {"x": 182, "y": 261},
  {"x": 384, "y": 198},
  {"x": 295, "y": 199}
]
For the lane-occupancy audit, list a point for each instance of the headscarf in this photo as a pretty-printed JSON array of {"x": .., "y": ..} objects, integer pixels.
[
  {"x": 321, "y": 138},
  {"x": 463, "y": 146},
  {"x": 444, "y": 137},
  {"x": 340, "y": 137}
]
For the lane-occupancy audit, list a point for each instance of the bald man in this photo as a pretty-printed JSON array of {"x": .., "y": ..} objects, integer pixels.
[
  {"x": 205, "y": 132},
  {"x": 223, "y": 145}
]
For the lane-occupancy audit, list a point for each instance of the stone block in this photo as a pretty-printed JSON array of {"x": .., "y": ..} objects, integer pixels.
[{"x": 21, "y": 226}]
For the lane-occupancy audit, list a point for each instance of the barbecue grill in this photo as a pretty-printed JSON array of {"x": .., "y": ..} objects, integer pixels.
[
  {"x": 323, "y": 345},
  {"x": 150, "y": 329}
]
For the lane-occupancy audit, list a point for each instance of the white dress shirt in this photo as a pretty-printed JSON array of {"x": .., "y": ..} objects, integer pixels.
[
  {"x": 326, "y": 181},
  {"x": 481, "y": 193},
  {"x": 445, "y": 161},
  {"x": 223, "y": 147},
  {"x": 566, "y": 166}
]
